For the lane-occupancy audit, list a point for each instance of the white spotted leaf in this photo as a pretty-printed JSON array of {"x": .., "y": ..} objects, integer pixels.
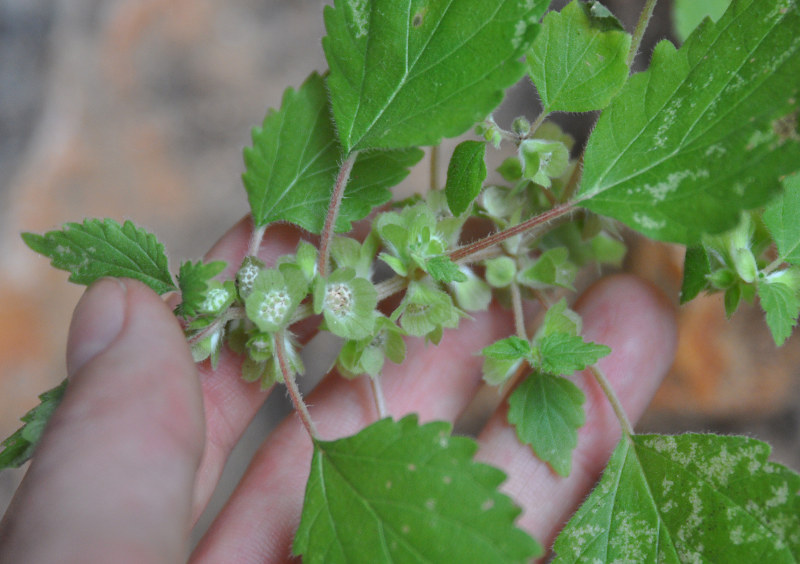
[
  {"x": 409, "y": 72},
  {"x": 402, "y": 492},
  {"x": 102, "y": 247},
  {"x": 706, "y": 131},
  {"x": 687, "y": 498}
]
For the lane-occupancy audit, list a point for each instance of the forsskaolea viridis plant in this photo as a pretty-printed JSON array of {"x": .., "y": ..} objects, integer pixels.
[{"x": 700, "y": 149}]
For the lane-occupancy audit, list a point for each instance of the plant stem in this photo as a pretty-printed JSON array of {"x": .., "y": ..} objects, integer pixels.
[
  {"x": 574, "y": 179},
  {"x": 333, "y": 212},
  {"x": 231, "y": 314},
  {"x": 519, "y": 316},
  {"x": 638, "y": 33},
  {"x": 255, "y": 240},
  {"x": 537, "y": 123},
  {"x": 291, "y": 386},
  {"x": 434, "y": 167},
  {"x": 611, "y": 395},
  {"x": 500, "y": 236},
  {"x": 377, "y": 393}
]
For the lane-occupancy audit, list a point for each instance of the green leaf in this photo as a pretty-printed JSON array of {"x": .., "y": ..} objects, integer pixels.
[
  {"x": 500, "y": 271},
  {"x": 547, "y": 411},
  {"x": 564, "y": 354},
  {"x": 781, "y": 304},
  {"x": 510, "y": 348},
  {"x": 577, "y": 63},
  {"x": 407, "y": 72},
  {"x": 782, "y": 218},
  {"x": 294, "y": 160},
  {"x": 443, "y": 269},
  {"x": 687, "y": 14},
  {"x": 560, "y": 319},
  {"x": 706, "y": 132},
  {"x": 193, "y": 279},
  {"x": 19, "y": 447},
  {"x": 401, "y": 492},
  {"x": 97, "y": 248},
  {"x": 687, "y": 498},
  {"x": 552, "y": 268},
  {"x": 696, "y": 267},
  {"x": 465, "y": 175}
]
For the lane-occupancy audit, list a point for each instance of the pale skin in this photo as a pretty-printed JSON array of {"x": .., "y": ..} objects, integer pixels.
[{"x": 136, "y": 448}]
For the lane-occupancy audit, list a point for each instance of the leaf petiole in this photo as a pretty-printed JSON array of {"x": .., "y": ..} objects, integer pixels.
[
  {"x": 294, "y": 390},
  {"x": 641, "y": 27},
  {"x": 333, "y": 211},
  {"x": 613, "y": 399}
]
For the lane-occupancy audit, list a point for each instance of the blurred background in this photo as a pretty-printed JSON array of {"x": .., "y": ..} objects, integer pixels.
[{"x": 139, "y": 109}]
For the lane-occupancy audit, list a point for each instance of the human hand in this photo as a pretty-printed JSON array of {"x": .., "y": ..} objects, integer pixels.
[{"x": 135, "y": 451}]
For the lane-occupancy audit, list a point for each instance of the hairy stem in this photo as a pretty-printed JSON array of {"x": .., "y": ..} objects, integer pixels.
[
  {"x": 434, "y": 168},
  {"x": 641, "y": 27},
  {"x": 291, "y": 386},
  {"x": 333, "y": 212},
  {"x": 537, "y": 123},
  {"x": 231, "y": 314},
  {"x": 519, "y": 316},
  {"x": 613, "y": 399},
  {"x": 500, "y": 236},
  {"x": 255, "y": 240},
  {"x": 377, "y": 393}
]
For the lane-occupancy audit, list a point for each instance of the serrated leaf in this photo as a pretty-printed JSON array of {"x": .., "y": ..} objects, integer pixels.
[
  {"x": 552, "y": 268},
  {"x": 696, "y": 267},
  {"x": 687, "y": 14},
  {"x": 547, "y": 411},
  {"x": 294, "y": 160},
  {"x": 564, "y": 354},
  {"x": 577, "y": 62},
  {"x": 407, "y": 73},
  {"x": 19, "y": 447},
  {"x": 401, "y": 492},
  {"x": 782, "y": 218},
  {"x": 97, "y": 248},
  {"x": 510, "y": 348},
  {"x": 193, "y": 279},
  {"x": 706, "y": 132},
  {"x": 687, "y": 498},
  {"x": 782, "y": 306},
  {"x": 442, "y": 269},
  {"x": 465, "y": 175}
]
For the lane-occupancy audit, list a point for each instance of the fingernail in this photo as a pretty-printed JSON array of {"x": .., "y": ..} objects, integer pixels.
[{"x": 96, "y": 322}]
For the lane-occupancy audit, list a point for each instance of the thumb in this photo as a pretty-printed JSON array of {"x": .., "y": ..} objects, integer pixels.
[{"x": 112, "y": 478}]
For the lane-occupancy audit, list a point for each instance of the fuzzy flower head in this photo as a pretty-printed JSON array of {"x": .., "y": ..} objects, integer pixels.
[
  {"x": 275, "y": 295},
  {"x": 347, "y": 302}
]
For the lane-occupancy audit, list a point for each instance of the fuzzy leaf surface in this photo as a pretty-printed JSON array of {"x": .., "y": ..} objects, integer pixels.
[
  {"x": 547, "y": 411},
  {"x": 102, "y": 247},
  {"x": 403, "y": 492},
  {"x": 576, "y": 62},
  {"x": 782, "y": 306},
  {"x": 687, "y": 498},
  {"x": 465, "y": 175},
  {"x": 564, "y": 354},
  {"x": 193, "y": 279},
  {"x": 19, "y": 447},
  {"x": 409, "y": 72},
  {"x": 782, "y": 218},
  {"x": 706, "y": 131},
  {"x": 294, "y": 160}
]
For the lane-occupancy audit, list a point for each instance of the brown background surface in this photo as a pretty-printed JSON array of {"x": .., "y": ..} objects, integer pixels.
[{"x": 139, "y": 109}]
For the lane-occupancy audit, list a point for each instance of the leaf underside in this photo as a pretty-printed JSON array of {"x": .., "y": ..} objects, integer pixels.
[
  {"x": 292, "y": 165},
  {"x": 98, "y": 248},
  {"x": 409, "y": 72},
  {"x": 706, "y": 132},
  {"x": 687, "y": 498},
  {"x": 402, "y": 492}
]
